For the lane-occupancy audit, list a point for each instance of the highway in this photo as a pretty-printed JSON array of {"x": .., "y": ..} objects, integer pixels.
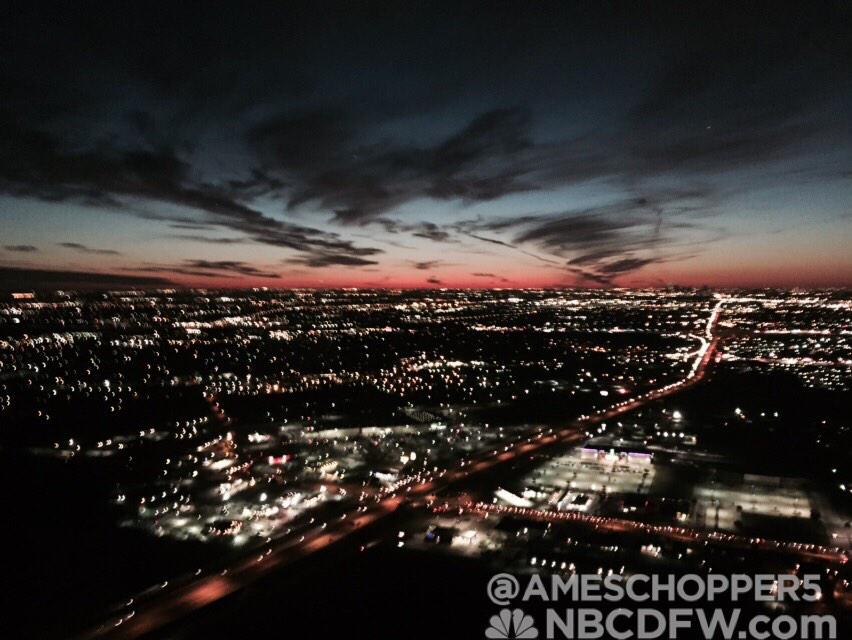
[
  {"x": 173, "y": 604},
  {"x": 805, "y": 552},
  {"x": 170, "y": 604}
]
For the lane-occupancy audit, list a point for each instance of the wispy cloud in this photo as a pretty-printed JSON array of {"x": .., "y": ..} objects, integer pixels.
[
  {"x": 208, "y": 239},
  {"x": 491, "y": 276},
  {"x": 36, "y": 164},
  {"x": 230, "y": 266},
  {"x": 601, "y": 243},
  {"x": 425, "y": 265},
  {"x": 209, "y": 269},
  {"x": 319, "y": 259},
  {"x": 76, "y": 246}
]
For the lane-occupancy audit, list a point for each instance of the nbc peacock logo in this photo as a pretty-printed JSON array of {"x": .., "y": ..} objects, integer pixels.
[{"x": 511, "y": 623}]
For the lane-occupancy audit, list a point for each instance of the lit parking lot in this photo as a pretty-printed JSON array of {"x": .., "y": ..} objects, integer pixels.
[
  {"x": 560, "y": 482},
  {"x": 717, "y": 505}
]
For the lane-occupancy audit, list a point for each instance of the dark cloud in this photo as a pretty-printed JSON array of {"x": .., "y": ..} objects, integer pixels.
[
  {"x": 576, "y": 231},
  {"x": 626, "y": 264},
  {"x": 425, "y": 265},
  {"x": 431, "y": 232},
  {"x": 593, "y": 257},
  {"x": 76, "y": 246},
  {"x": 493, "y": 156},
  {"x": 20, "y": 248},
  {"x": 191, "y": 226},
  {"x": 257, "y": 185},
  {"x": 12, "y": 278},
  {"x": 609, "y": 240},
  {"x": 427, "y": 230},
  {"x": 502, "y": 243},
  {"x": 35, "y": 164},
  {"x": 209, "y": 269},
  {"x": 232, "y": 266},
  {"x": 433, "y": 280},
  {"x": 492, "y": 276},
  {"x": 588, "y": 277},
  {"x": 208, "y": 240},
  {"x": 304, "y": 142},
  {"x": 318, "y": 259}
]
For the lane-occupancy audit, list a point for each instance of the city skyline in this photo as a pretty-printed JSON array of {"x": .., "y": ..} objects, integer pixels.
[{"x": 427, "y": 147}]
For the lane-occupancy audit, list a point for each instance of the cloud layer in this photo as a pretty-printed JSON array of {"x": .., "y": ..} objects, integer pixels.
[{"x": 591, "y": 145}]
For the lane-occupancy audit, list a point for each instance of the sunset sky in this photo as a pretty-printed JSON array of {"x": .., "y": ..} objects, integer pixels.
[{"x": 434, "y": 144}]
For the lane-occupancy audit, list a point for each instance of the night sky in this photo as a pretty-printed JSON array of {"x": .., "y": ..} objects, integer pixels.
[{"x": 422, "y": 144}]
